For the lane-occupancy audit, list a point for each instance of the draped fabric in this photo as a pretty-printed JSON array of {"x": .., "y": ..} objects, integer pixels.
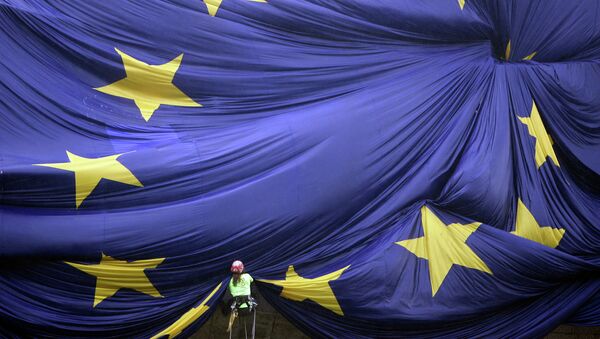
[{"x": 384, "y": 168}]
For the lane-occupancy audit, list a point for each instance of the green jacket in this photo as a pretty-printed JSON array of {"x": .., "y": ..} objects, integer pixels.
[{"x": 242, "y": 287}]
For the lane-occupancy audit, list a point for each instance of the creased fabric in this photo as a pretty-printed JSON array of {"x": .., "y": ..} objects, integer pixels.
[{"x": 383, "y": 168}]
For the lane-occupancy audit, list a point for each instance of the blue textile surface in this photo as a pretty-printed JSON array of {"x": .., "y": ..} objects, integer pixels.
[{"x": 443, "y": 157}]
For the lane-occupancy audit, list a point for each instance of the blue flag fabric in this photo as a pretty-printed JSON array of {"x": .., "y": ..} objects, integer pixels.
[{"x": 384, "y": 168}]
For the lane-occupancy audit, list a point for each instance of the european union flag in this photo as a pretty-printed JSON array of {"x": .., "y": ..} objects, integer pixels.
[{"x": 389, "y": 168}]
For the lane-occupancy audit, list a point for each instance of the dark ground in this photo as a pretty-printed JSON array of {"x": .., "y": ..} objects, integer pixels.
[{"x": 270, "y": 324}]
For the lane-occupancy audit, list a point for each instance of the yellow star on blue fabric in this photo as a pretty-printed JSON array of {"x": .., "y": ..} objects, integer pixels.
[
  {"x": 188, "y": 318},
  {"x": 444, "y": 246},
  {"x": 317, "y": 289},
  {"x": 113, "y": 274},
  {"x": 214, "y": 5},
  {"x": 507, "y": 53},
  {"x": 527, "y": 227},
  {"x": 149, "y": 86},
  {"x": 543, "y": 141},
  {"x": 89, "y": 172}
]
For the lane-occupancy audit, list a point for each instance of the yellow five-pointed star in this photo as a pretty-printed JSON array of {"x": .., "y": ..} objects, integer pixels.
[
  {"x": 213, "y": 5},
  {"x": 187, "y": 319},
  {"x": 149, "y": 86},
  {"x": 316, "y": 289},
  {"x": 528, "y": 228},
  {"x": 89, "y": 172},
  {"x": 444, "y": 246},
  {"x": 113, "y": 274},
  {"x": 461, "y": 3},
  {"x": 543, "y": 142},
  {"x": 507, "y": 53}
]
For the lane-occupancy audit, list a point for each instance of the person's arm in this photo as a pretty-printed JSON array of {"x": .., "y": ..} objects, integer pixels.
[
  {"x": 226, "y": 301},
  {"x": 254, "y": 291}
]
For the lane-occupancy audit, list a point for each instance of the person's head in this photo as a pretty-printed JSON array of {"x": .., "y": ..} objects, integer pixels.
[{"x": 237, "y": 268}]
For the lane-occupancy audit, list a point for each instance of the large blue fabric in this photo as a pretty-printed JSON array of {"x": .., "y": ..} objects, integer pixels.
[{"x": 328, "y": 132}]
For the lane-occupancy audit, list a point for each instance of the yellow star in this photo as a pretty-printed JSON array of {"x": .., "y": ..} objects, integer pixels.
[
  {"x": 507, "y": 53},
  {"x": 444, "y": 246},
  {"x": 316, "y": 289},
  {"x": 213, "y": 5},
  {"x": 89, "y": 172},
  {"x": 528, "y": 228},
  {"x": 188, "y": 318},
  {"x": 149, "y": 86},
  {"x": 461, "y": 3},
  {"x": 543, "y": 142},
  {"x": 113, "y": 275},
  {"x": 530, "y": 56}
]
